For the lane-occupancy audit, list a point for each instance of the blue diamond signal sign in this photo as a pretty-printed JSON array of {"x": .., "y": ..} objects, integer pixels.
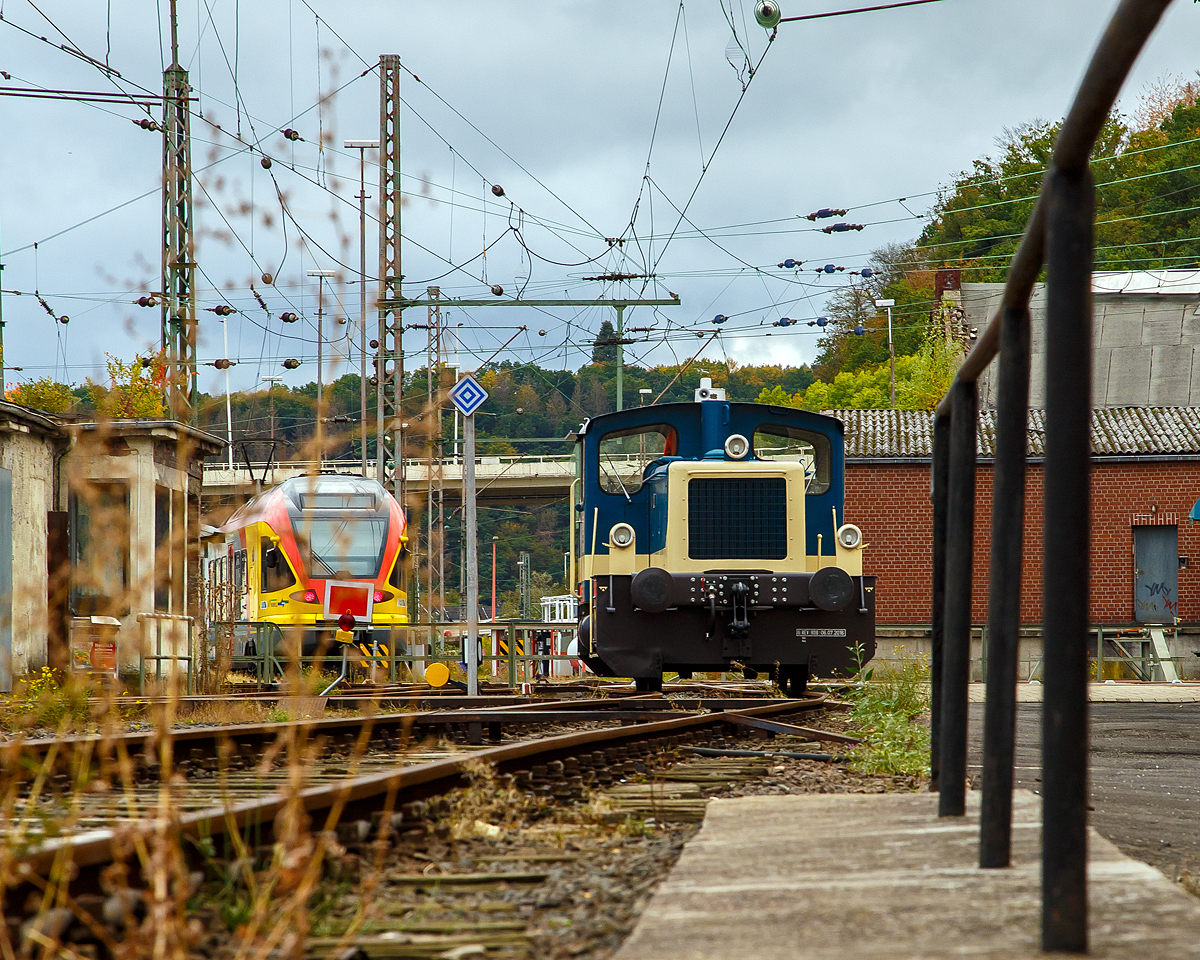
[{"x": 467, "y": 395}]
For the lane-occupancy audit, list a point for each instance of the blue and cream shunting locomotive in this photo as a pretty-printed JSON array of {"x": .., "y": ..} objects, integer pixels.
[{"x": 711, "y": 538}]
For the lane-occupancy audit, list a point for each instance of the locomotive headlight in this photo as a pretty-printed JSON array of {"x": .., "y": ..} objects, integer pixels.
[
  {"x": 621, "y": 535},
  {"x": 849, "y": 536},
  {"x": 737, "y": 446}
]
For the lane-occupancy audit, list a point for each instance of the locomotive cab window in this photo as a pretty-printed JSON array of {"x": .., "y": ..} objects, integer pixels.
[
  {"x": 625, "y": 454},
  {"x": 276, "y": 574},
  {"x": 774, "y": 441}
]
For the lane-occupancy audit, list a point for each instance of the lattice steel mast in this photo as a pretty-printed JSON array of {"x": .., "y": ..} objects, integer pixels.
[
  {"x": 179, "y": 260},
  {"x": 389, "y": 356}
]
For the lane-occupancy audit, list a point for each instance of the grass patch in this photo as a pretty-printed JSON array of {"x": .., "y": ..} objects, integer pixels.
[{"x": 888, "y": 710}]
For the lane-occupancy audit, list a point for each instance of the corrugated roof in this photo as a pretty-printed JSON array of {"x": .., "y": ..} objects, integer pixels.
[{"x": 1116, "y": 431}]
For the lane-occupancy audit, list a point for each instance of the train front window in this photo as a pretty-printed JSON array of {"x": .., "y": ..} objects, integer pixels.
[
  {"x": 773, "y": 441},
  {"x": 347, "y": 548},
  {"x": 624, "y": 455}
]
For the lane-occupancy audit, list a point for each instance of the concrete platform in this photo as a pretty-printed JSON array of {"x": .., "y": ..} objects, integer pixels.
[
  {"x": 1110, "y": 691},
  {"x": 880, "y": 876}
]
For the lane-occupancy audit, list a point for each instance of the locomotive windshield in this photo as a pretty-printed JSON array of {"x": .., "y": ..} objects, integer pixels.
[
  {"x": 343, "y": 547},
  {"x": 774, "y": 441},
  {"x": 624, "y": 455}
]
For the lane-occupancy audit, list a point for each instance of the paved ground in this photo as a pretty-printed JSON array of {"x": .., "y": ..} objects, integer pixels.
[
  {"x": 1145, "y": 776},
  {"x": 871, "y": 877}
]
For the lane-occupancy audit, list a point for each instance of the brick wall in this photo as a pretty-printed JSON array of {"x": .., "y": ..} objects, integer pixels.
[{"x": 891, "y": 505}]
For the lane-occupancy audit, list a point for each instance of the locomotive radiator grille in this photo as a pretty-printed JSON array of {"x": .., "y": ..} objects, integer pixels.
[{"x": 737, "y": 518}]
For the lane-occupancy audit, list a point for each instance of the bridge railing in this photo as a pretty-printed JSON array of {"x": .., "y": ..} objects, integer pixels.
[
  {"x": 411, "y": 464},
  {"x": 1059, "y": 234}
]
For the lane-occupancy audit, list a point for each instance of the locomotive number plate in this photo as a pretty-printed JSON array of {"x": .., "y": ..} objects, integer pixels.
[{"x": 820, "y": 631}]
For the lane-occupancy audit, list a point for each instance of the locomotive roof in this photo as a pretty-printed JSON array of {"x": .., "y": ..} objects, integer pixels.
[
  {"x": 317, "y": 492},
  {"x": 677, "y": 412}
]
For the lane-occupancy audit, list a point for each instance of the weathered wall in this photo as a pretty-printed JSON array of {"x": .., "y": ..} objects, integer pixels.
[
  {"x": 891, "y": 505},
  {"x": 30, "y": 457}
]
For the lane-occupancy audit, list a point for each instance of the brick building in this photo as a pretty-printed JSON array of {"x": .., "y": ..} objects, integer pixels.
[{"x": 1146, "y": 473}]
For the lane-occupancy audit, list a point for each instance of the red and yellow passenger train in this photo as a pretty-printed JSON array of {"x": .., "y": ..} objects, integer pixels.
[{"x": 317, "y": 548}]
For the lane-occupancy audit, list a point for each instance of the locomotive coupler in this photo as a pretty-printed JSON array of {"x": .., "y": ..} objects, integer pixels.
[{"x": 739, "y": 626}]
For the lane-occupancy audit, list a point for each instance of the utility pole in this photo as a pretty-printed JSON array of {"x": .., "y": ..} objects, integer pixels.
[
  {"x": 472, "y": 639},
  {"x": 362, "y": 146},
  {"x": 620, "y": 356},
  {"x": 178, "y": 263}
]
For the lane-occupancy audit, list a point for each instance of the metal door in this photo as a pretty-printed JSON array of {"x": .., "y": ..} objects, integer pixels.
[
  {"x": 6, "y": 580},
  {"x": 1156, "y": 574}
]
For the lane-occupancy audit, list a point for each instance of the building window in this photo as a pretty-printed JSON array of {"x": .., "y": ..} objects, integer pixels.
[{"x": 99, "y": 518}]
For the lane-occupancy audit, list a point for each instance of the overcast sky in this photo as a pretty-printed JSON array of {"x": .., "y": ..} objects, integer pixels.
[{"x": 559, "y": 104}]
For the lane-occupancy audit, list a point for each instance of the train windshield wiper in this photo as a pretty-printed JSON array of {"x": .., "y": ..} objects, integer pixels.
[{"x": 617, "y": 475}]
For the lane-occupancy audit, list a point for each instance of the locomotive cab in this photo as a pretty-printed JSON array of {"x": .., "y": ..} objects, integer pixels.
[{"x": 712, "y": 539}]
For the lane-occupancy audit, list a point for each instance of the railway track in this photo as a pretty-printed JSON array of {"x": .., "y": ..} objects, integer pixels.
[{"x": 354, "y": 770}]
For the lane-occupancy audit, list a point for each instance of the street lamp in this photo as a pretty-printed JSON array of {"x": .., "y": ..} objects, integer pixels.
[
  {"x": 362, "y": 146},
  {"x": 879, "y": 305},
  {"x": 322, "y": 276}
]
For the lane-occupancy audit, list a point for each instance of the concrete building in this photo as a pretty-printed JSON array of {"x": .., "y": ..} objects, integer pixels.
[
  {"x": 1145, "y": 337},
  {"x": 96, "y": 521},
  {"x": 30, "y": 446}
]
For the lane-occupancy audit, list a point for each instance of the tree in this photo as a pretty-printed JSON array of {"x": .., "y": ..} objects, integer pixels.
[
  {"x": 135, "y": 390},
  {"x": 895, "y": 274},
  {"x": 605, "y": 344},
  {"x": 1147, "y": 173},
  {"x": 42, "y": 394}
]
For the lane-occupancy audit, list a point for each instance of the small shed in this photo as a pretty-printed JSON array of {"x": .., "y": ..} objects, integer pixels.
[
  {"x": 132, "y": 498},
  {"x": 30, "y": 446}
]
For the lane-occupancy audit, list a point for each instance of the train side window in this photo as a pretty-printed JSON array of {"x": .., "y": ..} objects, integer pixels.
[
  {"x": 624, "y": 455},
  {"x": 276, "y": 574},
  {"x": 773, "y": 441}
]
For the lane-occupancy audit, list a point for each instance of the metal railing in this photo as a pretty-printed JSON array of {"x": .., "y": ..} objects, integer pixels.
[
  {"x": 269, "y": 660},
  {"x": 158, "y": 657},
  {"x": 1060, "y": 235}
]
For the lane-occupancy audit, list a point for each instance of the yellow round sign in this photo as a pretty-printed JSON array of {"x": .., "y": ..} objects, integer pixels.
[{"x": 436, "y": 674}]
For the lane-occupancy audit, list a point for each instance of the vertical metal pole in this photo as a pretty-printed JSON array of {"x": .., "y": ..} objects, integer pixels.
[
  {"x": 362, "y": 304},
  {"x": 1004, "y": 595},
  {"x": 956, "y": 654},
  {"x": 620, "y": 356},
  {"x": 228, "y": 406},
  {"x": 1070, "y": 209},
  {"x": 320, "y": 351},
  {"x": 941, "y": 483},
  {"x": 471, "y": 654},
  {"x": 493, "y": 579},
  {"x": 892, "y": 358}
]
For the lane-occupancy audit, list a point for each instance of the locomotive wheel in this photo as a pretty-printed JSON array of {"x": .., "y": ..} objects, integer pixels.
[{"x": 793, "y": 681}]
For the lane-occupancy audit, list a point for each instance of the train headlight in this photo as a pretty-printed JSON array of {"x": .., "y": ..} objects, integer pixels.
[
  {"x": 621, "y": 535},
  {"x": 737, "y": 446},
  {"x": 310, "y": 596},
  {"x": 849, "y": 536}
]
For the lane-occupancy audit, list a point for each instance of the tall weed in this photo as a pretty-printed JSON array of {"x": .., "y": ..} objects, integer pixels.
[{"x": 890, "y": 711}]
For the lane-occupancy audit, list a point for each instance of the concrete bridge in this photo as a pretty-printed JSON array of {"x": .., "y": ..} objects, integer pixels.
[{"x": 525, "y": 478}]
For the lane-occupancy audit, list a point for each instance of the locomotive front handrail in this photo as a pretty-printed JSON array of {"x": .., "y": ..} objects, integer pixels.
[{"x": 1059, "y": 233}]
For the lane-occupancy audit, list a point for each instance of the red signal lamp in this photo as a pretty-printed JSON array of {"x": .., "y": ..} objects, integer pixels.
[{"x": 346, "y": 622}]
